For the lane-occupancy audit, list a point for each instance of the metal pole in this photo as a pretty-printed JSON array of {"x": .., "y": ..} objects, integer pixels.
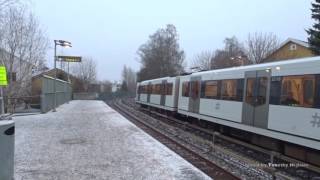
[
  {"x": 68, "y": 73},
  {"x": 55, "y": 77},
  {"x": 2, "y": 101},
  {"x": 67, "y": 89}
]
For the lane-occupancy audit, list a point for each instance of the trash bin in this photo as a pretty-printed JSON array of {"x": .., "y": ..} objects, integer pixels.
[{"x": 6, "y": 149}]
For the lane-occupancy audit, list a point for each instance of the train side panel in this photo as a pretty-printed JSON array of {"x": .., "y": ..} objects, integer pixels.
[
  {"x": 158, "y": 95},
  {"x": 295, "y": 120},
  {"x": 298, "y": 125},
  {"x": 171, "y": 100},
  {"x": 183, "y": 102}
]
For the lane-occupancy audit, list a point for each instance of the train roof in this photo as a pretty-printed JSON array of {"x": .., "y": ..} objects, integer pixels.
[
  {"x": 253, "y": 66},
  {"x": 262, "y": 66},
  {"x": 150, "y": 80}
]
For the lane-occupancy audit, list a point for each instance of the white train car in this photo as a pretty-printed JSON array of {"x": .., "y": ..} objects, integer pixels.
[
  {"x": 280, "y": 100},
  {"x": 160, "y": 93}
]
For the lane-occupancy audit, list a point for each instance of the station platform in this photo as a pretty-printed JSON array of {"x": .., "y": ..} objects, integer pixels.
[{"x": 89, "y": 140}]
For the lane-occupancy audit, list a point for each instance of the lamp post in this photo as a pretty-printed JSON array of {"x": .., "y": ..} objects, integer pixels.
[{"x": 63, "y": 44}]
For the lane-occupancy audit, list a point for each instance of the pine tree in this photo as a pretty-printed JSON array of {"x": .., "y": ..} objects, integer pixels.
[
  {"x": 314, "y": 32},
  {"x": 161, "y": 55}
]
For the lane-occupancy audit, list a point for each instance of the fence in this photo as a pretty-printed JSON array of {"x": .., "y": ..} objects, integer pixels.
[{"x": 63, "y": 93}]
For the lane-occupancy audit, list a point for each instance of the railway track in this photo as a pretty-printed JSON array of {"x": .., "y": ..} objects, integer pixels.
[
  {"x": 212, "y": 170},
  {"x": 247, "y": 154},
  {"x": 244, "y": 149}
]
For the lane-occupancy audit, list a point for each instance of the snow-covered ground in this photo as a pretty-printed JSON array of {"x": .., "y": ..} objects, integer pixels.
[{"x": 89, "y": 140}]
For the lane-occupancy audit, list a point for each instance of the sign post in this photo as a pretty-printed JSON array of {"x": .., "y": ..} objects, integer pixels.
[
  {"x": 69, "y": 59},
  {"x": 3, "y": 76},
  {"x": 3, "y": 82}
]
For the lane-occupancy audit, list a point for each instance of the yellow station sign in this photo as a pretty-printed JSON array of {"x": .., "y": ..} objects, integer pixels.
[
  {"x": 69, "y": 58},
  {"x": 3, "y": 76}
]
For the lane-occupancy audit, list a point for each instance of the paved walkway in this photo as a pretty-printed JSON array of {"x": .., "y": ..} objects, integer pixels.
[{"x": 88, "y": 140}]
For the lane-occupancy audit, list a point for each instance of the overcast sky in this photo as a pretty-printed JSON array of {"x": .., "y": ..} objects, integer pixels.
[{"x": 112, "y": 31}]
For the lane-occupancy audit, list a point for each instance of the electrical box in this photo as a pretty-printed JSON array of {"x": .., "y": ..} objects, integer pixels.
[{"x": 7, "y": 149}]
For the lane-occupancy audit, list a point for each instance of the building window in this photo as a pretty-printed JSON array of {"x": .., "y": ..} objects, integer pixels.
[{"x": 293, "y": 47}]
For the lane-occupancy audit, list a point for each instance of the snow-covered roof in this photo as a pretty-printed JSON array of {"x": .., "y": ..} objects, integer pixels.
[
  {"x": 296, "y": 41},
  {"x": 40, "y": 72}
]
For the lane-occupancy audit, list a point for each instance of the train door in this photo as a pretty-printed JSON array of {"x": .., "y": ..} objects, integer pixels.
[
  {"x": 149, "y": 90},
  {"x": 163, "y": 93},
  {"x": 194, "y": 95},
  {"x": 139, "y": 92},
  {"x": 256, "y": 98}
]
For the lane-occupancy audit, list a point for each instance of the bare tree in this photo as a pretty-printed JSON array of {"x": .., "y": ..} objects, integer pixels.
[
  {"x": 7, "y": 3},
  {"x": 86, "y": 71},
  {"x": 23, "y": 48},
  {"x": 203, "y": 60},
  {"x": 261, "y": 45},
  {"x": 229, "y": 56},
  {"x": 128, "y": 79}
]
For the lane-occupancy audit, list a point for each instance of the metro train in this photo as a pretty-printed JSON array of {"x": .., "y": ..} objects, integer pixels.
[{"x": 274, "y": 105}]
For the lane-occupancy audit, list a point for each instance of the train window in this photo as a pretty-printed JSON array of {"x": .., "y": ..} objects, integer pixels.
[
  {"x": 240, "y": 85},
  {"x": 169, "y": 87},
  {"x": 309, "y": 82},
  {"x": 185, "y": 89},
  {"x": 152, "y": 89},
  {"x": 149, "y": 89},
  {"x": 163, "y": 89},
  {"x": 250, "y": 91},
  {"x": 229, "y": 89},
  {"x": 317, "y": 93},
  {"x": 158, "y": 88},
  {"x": 262, "y": 90},
  {"x": 308, "y": 92},
  {"x": 298, "y": 91},
  {"x": 275, "y": 90},
  {"x": 195, "y": 89},
  {"x": 210, "y": 89}
]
